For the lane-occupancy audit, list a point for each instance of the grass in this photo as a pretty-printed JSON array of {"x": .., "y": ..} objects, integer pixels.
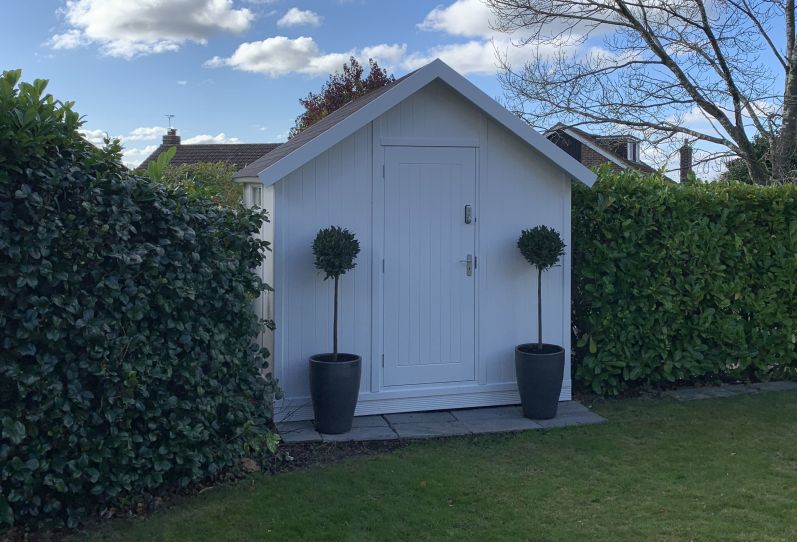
[{"x": 722, "y": 469}]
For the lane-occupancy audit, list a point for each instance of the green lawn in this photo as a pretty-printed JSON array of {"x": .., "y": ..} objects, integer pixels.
[{"x": 721, "y": 469}]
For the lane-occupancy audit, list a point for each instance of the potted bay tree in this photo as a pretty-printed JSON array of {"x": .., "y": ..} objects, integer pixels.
[
  {"x": 539, "y": 367},
  {"x": 335, "y": 376}
]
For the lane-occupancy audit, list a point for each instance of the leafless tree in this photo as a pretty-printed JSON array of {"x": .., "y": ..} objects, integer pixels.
[{"x": 654, "y": 65}]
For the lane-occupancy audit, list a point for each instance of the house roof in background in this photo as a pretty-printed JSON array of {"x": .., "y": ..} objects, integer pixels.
[
  {"x": 599, "y": 144},
  {"x": 237, "y": 154},
  {"x": 358, "y": 113}
]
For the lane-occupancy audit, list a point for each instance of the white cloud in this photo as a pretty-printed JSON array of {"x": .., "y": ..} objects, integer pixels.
[
  {"x": 71, "y": 39},
  {"x": 127, "y": 29},
  {"x": 280, "y": 55},
  {"x": 145, "y": 133},
  {"x": 139, "y": 152},
  {"x": 470, "y": 18},
  {"x": 471, "y": 57},
  {"x": 480, "y": 57},
  {"x": 475, "y": 20},
  {"x": 182, "y": 83},
  {"x": 299, "y": 17},
  {"x": 96, "y": 137},
  {"x": 206, "y": 138},
  {"x": 388, "y": 55},
  {"x": 132, "y": 157}
]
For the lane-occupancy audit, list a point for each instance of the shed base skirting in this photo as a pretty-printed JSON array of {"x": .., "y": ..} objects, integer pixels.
[{"x": 415, "y": 400}]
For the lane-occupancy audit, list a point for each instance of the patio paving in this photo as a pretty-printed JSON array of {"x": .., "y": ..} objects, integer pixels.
[
  {"x": 728, "y": 390},
  {"x": 441, "y": 423}
]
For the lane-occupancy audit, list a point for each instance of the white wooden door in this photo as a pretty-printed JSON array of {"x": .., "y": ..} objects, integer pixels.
[{"x": 429, "y": 288}]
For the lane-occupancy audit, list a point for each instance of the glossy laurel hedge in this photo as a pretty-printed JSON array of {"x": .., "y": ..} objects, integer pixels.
[
  {"x": 126, "y": 325},
  {"x": 683, "y": 282}
]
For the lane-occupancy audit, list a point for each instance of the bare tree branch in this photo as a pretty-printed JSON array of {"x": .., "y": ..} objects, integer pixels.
[{"x": 651, "y": 65}]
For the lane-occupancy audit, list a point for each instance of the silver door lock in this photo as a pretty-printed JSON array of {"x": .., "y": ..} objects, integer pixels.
[{"x": 468, "y": 264}]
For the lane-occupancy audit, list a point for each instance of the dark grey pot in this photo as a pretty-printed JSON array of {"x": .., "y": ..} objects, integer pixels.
[
  {"x": 334, "y": 387},
  {"x": 539, "y": 379}
]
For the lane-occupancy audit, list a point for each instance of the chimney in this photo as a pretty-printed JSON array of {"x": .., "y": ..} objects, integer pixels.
[
  {"x": 171, "y": 138},
  {"x": 686, "y": 161}
]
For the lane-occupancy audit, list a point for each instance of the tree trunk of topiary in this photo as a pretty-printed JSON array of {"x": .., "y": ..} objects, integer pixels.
[
  {"x": 539, "y": 308},
  {"x": 335, "y": 325}
]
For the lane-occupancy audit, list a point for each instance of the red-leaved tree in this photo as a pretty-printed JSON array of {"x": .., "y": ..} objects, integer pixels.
[{"x": 340, "y": 89}]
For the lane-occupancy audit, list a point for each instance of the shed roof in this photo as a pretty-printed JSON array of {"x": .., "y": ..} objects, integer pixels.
[
  {"x": 255, "y": 168},
  {"x": 357, "y": 113}
]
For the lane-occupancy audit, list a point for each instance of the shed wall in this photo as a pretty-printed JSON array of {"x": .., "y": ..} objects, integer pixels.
[
  {"x": 516, "y": 187},
  {"x": 520, "y": 189},
  {"x": 333, "y": 189}
]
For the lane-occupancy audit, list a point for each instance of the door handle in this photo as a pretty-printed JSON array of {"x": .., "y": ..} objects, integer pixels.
[{"x": 468, "y": 264}]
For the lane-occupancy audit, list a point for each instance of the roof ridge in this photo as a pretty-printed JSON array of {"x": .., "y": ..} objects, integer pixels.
[{"x": 345, "y": 121}]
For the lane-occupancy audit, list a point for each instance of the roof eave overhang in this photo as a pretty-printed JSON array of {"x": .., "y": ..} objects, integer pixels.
[{"x": 246, "y": 179}]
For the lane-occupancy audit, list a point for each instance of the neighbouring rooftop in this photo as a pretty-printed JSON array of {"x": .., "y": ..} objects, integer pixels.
[{"x": 237, "y": 154}]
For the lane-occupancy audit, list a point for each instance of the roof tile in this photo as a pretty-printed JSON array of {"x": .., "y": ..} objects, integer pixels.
[{"x": 238, "y": 154}]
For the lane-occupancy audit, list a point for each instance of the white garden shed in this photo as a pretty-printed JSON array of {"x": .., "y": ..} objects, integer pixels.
[{"x": 436, "y": 180}]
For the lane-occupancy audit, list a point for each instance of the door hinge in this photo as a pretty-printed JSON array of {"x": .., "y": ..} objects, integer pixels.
[
  {"x": 383, "y": 360},
  {"x": 383, "y": 265},
  {"x": 475, "y": 262},
  {"x": 383, "y": 171}
]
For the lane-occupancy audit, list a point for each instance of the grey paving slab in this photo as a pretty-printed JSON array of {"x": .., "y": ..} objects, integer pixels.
[
  {"x": 501, "y": 425},
  {"x": 431, "y": 429},
  {"x": 369, "y": 421},
  {"x": 417, "y": 425},
  {"x": 730, "y": 390},
  {"x": 359, "y": 434},
  {"x": 295, "y": 432},
  {"x": 571, "y": 407},
  {"x": 688, "y": 394},
  {"x": 568, "y": 420},
  {"x": 721, "y": 391},
  {"x": 420, "y": 417},
  {"x": 776, "y": 386},
  {"x": 487, "y": 413},
  {"x": 740, "y": 389}
]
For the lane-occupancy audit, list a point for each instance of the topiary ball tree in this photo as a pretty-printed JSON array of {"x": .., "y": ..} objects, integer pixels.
[
  {"x": 542, "y": 247},
  {"x": 335, "y": 250}
]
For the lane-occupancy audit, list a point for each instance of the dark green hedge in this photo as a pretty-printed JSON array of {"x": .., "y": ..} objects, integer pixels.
[
  {"x": 126, "y": 325},
  {"x": 683, "y": 282}
]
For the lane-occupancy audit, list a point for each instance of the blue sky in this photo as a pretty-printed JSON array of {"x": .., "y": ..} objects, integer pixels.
[
  {"x": 230, "y": 70},
  {"x": 234, "y": 70}
]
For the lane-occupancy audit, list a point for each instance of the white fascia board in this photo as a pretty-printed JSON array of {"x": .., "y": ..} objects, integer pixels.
[
  {"x": 246, "y": 180},
  {"x": 434, "y": 70}
]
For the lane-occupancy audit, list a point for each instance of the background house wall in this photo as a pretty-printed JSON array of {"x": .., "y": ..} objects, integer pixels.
[{"x": 591, "y": 158}]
